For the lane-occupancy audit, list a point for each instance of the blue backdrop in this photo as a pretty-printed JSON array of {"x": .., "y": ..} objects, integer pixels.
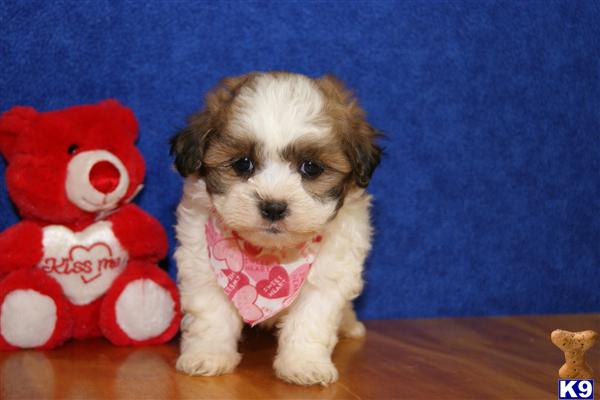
[{"x": 487, "y": 201}]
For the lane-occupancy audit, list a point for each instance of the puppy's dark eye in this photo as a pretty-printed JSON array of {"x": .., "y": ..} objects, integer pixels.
[
  {"x": 243, "y": 166},
  {"x": 72, "y": 149},
  {"x": 310, "y": 169}
]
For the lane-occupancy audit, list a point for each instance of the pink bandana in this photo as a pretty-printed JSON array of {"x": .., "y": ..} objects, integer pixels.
[{"x": 259, "y": 281}]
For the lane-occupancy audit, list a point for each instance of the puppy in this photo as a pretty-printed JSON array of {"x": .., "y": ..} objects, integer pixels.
[{"x": 273, "y": 226}]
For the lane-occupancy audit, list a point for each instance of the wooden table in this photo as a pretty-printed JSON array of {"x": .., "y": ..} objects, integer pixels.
[{"x": 454, "y": 358}]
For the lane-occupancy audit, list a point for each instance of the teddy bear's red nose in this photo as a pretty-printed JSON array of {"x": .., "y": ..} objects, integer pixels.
[{"x": 104, "y": 177}]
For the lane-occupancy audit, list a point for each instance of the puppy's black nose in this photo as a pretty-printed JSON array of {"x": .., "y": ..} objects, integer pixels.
[{"x": 273, "y": 210}]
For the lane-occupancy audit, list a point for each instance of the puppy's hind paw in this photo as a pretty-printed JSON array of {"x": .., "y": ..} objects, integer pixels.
[
  {"x": 305, "y": 372},
  {"x": 207, "y": 364},
  {"x": 354, "y": 331}
]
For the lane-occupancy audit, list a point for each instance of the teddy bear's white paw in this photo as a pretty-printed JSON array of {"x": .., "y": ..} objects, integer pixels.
[
  {"x": 208, "y": 364},
  {"x": 304, "y": 371},
  {"x": 354, "y": 331},
  {"x": 28, "y": 318},
  {"x": 144, "y": 309}
]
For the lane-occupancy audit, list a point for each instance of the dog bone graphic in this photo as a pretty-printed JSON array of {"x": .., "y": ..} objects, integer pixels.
[{"x": 574, "y": 345}]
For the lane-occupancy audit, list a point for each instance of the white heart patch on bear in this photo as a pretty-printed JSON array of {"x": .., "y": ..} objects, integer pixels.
[{"x": 84, "y": 263}]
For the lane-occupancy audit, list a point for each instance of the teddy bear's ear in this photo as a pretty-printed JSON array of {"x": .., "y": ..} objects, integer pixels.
[
  {"x": 12, "y": 123},
  {"x": 123, "y": 115}
]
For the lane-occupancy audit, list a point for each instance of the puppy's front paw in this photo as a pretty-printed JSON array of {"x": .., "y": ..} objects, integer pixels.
[
  {"x": 208, "y": 364},
  {"x": 304, "y": 371}
]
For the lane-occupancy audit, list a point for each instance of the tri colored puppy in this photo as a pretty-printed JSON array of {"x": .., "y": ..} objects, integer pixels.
[{"x": 273, "y": 226}]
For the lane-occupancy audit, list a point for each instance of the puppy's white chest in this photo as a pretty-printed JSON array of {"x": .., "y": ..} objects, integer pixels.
[{"x": 84, "y": 263}]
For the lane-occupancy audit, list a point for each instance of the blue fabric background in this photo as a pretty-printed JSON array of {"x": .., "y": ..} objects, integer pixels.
[{"x": 487, "y": 201}]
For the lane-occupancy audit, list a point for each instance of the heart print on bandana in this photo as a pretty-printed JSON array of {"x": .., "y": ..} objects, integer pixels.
[{"x": 260, "y": 282}]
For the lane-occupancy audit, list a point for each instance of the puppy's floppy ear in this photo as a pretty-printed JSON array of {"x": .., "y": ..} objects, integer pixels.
[
  {"x": 364, "y": 153},
  {"x": 357, "y": 136},
  {"x": 188, "y": 148},
  {"x": 189, "y": 144},
  {"x": 12, "y": 123}
]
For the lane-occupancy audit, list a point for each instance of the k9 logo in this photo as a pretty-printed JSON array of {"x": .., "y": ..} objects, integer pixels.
[{"x": 575, "y": 389}]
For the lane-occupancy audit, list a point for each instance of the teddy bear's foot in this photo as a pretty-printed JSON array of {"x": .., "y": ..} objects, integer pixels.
[
  {"x": 144, "y": 309},
  {"x": 33, "y": 312},
  {"x": 141, "y": 307},
  {"x": 28, "y": 318}
]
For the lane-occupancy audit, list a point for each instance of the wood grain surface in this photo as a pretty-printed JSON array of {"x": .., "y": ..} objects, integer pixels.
[{"x": 454, "y": 358}]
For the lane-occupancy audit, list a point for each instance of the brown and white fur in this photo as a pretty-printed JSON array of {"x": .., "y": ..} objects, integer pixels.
[{"x": 281, "y": 126}]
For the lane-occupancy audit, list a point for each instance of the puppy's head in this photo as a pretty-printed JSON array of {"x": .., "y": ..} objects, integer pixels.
[{"x": 279, "y": 153}]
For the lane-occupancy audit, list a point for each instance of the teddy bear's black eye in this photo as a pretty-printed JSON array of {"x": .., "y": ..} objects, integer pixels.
[
  {"x": 72, "y": 149},
  {"x": 310, "y": 169},
  {"x": 243, "y": 166}
]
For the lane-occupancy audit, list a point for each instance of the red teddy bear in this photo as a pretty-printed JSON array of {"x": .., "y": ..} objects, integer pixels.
[{"x": 82, "y": 263}]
